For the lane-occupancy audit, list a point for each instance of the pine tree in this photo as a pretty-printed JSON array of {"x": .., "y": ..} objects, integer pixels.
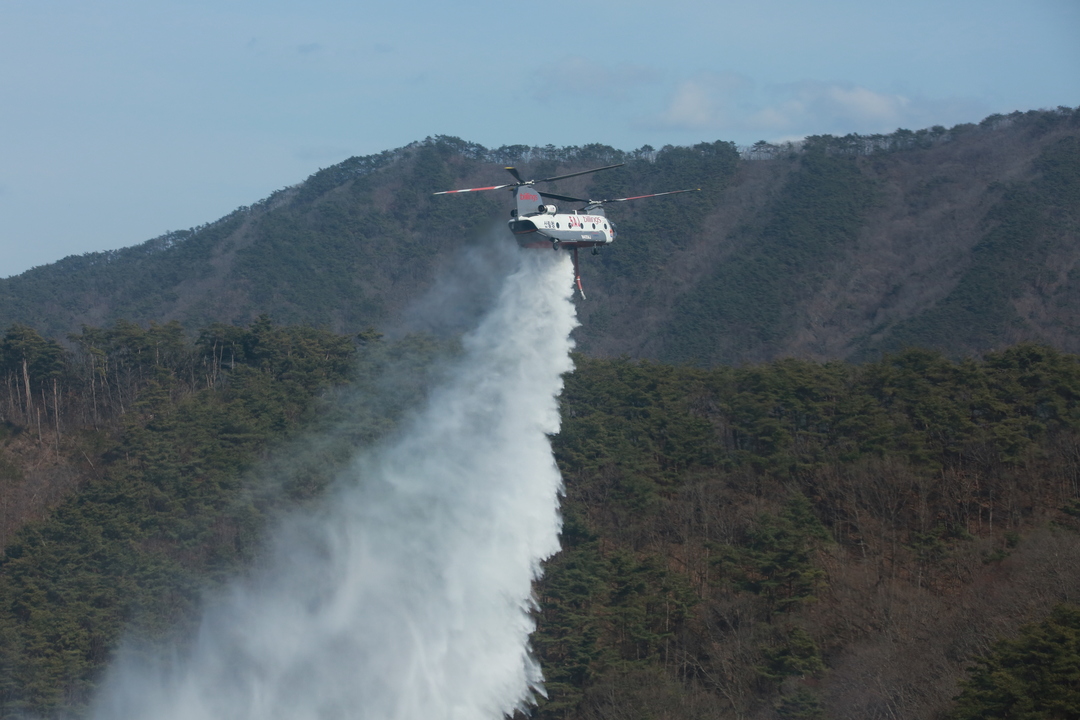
[{"x": 1034, "y": 677}]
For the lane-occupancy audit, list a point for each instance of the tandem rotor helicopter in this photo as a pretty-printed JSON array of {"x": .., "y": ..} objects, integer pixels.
[{"x": 538, "y": 225}]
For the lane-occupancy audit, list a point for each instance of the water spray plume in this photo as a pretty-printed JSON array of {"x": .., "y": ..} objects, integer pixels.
[{"x": 407, "y": 596}]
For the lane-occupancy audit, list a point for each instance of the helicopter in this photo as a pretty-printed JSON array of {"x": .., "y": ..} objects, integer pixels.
[{"x": 536, "y": 224}]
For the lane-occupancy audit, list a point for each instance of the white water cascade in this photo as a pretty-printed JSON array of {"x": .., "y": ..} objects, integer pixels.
[{"x": 407, "y": 595}]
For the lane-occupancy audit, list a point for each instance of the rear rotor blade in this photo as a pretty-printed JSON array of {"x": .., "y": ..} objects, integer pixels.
[
  {"x": 639, "y": 197},
  {"x": 517, "y": 176},
  {"x": 493, "y": 187},
  {"x": 565, "y": 198},
  {"x": 583, "y": 172}
]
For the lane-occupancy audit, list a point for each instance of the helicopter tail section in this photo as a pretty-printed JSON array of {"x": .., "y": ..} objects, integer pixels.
[{"x": 528, "y": 200}]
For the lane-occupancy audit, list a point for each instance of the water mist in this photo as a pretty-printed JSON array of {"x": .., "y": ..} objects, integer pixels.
[{"x": 407, "y": 595}]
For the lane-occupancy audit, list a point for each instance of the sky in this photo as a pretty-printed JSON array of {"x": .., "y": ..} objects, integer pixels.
[{"x": 121, "y": 120}]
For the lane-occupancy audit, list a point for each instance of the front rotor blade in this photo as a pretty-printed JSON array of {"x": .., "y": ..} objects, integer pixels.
[
  {"x": 565, "y": 198},
  {"x": 513, "y": 171},
  {"x": 493, "y": 187},
  {"x": 583, "y": 172},
  {"x": 639, "y": 197}
]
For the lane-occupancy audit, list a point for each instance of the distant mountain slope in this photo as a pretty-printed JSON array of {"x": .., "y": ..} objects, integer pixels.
[{"x": 961, "y": 239}]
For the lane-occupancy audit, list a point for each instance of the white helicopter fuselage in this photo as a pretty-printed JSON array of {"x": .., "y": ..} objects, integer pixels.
[
  {"x": 536, "y": 224},
  {"x": 566, "y": 230}
]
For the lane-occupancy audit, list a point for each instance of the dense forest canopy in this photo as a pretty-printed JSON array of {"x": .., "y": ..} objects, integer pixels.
[{"x": 789, "y": 539}]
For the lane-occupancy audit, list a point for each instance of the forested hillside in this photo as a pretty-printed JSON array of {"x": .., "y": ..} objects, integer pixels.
[
  {"x": 127, "y": 478},
  {"x": 789, "y": 539},
  {"x": 833, "y": 472},
  {"x": 961, "y": 239},
  {"x": 804, "y": 540}
]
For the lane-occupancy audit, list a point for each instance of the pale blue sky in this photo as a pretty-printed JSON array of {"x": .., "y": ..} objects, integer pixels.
[{"x": 121, "y": 120}]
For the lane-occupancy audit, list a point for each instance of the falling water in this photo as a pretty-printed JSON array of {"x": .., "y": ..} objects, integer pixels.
[{"x": 407, "y": 595}]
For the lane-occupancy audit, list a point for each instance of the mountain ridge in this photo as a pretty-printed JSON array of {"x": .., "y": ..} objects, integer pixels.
[{"x": 836, "y": 248}]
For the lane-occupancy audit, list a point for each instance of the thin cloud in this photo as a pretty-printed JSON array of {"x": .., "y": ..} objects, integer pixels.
[
  {"x": 691, "y": 107},
  {"x": 732, "y": 104},
  {"x": 812, "y": 104},
  {"x": 705, "y": 102}
]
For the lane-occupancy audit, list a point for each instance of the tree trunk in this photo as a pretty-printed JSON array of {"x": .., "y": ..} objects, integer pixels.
[
  {"x": 93, "y": 387},
  {"x": 44, "y": 409},
  {"x": 29, "y": 396},
  {"x": 56, "y": 414}
]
